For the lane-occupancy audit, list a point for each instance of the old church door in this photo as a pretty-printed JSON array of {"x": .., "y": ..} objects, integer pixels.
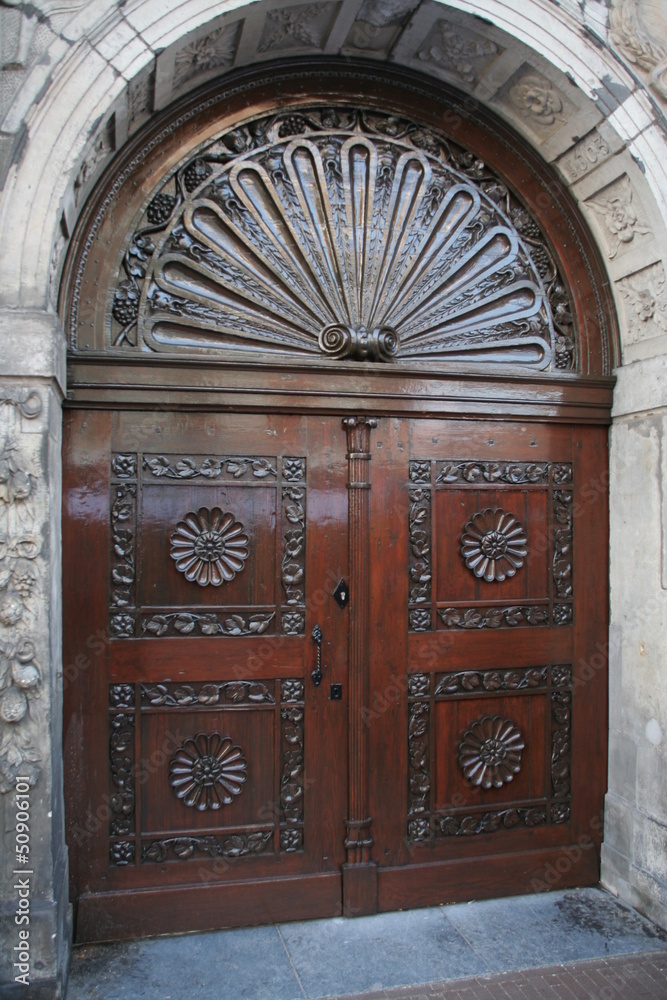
[{"x": 334, "y": 515}]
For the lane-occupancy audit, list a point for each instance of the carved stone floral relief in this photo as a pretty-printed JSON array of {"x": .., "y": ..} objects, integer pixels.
[
  {"x": 303, "y": 26},
  {"x": 459, "y": 51},
  {"x": 20, "y": 574},
  {"x": 620, "y": 218},
  {"x": 540, "y": 105},
  {"x": 645, "y": 298},
  {"x": 638, "y": 30},
  {"x": 213, "y": 51}
]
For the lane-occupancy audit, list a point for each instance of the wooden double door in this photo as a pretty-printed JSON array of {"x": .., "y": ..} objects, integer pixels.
[{"x": 328, "y": 663}]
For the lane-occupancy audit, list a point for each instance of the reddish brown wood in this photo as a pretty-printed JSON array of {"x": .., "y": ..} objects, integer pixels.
[
  {"x": 358, "y": 872},
  {"x": 425, "y": 651},
  {"x": 500, "y": 875},
  {"x": 108, "y": 917}
]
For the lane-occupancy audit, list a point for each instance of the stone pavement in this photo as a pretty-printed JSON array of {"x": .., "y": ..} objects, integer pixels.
[{"x": 579, "y": 943}]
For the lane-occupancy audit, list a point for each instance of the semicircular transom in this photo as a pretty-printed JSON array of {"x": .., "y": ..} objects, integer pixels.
[{"x": 343, "y": 233}]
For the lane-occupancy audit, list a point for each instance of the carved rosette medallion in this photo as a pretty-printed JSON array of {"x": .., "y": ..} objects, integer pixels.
[
  {"x": 209, "y": 547},
  {"x": 341, "y": 233},
  {"x": 494, "y": 545},
  {"x": 489, "y": 752},
  {"x": 208, "y": 771}
]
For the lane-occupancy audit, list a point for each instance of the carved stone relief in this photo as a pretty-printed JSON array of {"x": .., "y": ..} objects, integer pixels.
[
  {"x": 638, "y": 29},
  {"x": 102, "y": 147},
  {"x": 536, "y": 100},
  {"x": 619, "y": 217},
  {"x": 645, "y": 298},
  {"x": 213, "y": 51},
  {"x": 303, "y": 26},
  {"x": 382, "y": 13},
  {"x": 208, "y": 771},
  {"x": 246, "y": 263},
  {"x": 459, "y": 51},
  {"x": 585, "y": 155},
  {"x": 20, "y": 574},
  {"x": 140, "y": 97}
]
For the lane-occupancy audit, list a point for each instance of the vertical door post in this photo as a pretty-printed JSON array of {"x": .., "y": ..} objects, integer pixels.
[{"x": 359, "y": 872}]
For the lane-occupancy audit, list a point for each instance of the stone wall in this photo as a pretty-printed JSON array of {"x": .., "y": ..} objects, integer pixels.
[
  {"x": 33, "y": 866},
  {"x": 586, "y": 84}
]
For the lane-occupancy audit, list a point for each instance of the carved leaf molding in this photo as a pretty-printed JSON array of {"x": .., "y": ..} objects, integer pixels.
[
  {"x": 341, "y": 233},
  {"x": 489, "y": 751}
]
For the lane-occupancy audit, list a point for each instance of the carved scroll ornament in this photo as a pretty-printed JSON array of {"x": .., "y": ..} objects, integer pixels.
[{"x": 344, "y": 234}]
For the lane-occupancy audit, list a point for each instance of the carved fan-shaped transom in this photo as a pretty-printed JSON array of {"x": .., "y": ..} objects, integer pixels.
[{"x": 342, "y": 234}]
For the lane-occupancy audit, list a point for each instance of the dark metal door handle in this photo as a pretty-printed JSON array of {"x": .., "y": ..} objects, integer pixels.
[{"x": 316, "y": 672}]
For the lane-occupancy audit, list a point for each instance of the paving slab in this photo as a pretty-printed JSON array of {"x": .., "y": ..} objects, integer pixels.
[
  {"x": 248, "y": 964},
  {"x": 549, "y": 943},
  {"x": 553, "y": 928},
  {"x": 388, "y": 949}
]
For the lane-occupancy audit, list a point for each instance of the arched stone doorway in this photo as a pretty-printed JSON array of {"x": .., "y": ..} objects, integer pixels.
[{"x": 339, "y": 388}]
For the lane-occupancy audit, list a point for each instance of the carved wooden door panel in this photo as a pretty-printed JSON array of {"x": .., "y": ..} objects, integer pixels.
[
  {"x": 486, "y": 723},
  {"x": 211, "y": 772}
]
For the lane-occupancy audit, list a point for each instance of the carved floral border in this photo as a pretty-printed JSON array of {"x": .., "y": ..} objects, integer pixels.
[
  {"x": 129, "y": 469},
  {"x": 552, "y": 682},
  {"x": 425, "y": 475}
]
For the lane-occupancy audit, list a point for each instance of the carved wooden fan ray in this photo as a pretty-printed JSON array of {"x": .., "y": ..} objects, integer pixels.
[{"x": 339, "y": 243}]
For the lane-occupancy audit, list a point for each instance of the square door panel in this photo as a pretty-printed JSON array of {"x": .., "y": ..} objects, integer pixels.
[
  {"x": 220, "y": 770},
  {"x": 169, "y": 516}
]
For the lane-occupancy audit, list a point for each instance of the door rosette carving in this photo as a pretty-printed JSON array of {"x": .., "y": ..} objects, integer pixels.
[
  {"x": 209, "y": 547},
  {"x": 208, "y": 771},
  {"x": 489, "y": 752},
  {"x": 494, "y": 544}
]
